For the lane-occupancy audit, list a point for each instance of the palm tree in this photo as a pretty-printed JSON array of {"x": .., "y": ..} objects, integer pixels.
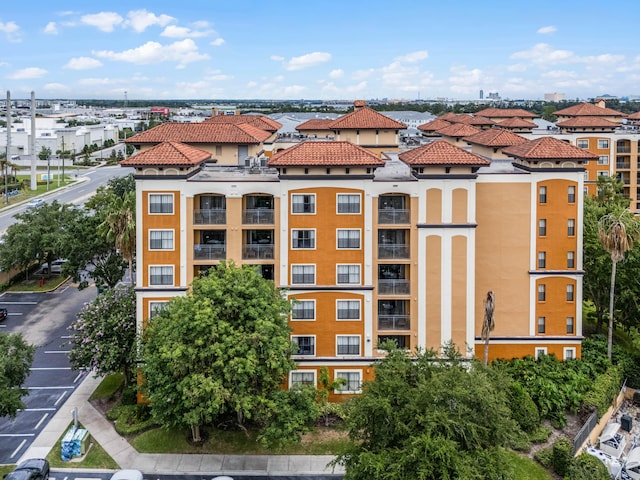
[
  {"x": 119, "y": 226},
  {"x": 617, "y": 231},
  {"x": 488, "y": 323}
]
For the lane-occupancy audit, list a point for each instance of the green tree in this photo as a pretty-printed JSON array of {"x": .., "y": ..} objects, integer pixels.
[
  {"x": 224, "y": 348},
  {"x": 44, "y": 154},
  {"x": 326, "y": 385},
  {"x": 488, "y": 323},
  {"x": 16, "y": 357},
  {"x": 103, "y": 336},
  {"x": 119, "y": 226}
]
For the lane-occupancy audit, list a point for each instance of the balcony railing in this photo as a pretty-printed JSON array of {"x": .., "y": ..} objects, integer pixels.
[
  {"x": 253, "y": 251},
  {"x": 623, "y": 165},
  {"x": 394, "y": 287},
  {"x": 211, "y": 216},
  {"x": 205, "y": 251},
  {"x": 623, "y": 149},
  {"x": 394, "y": 322},
  {"x": 393, "y": 216},
  {"x": 387, "y": 251},
  {"x": 257, "y": 216}
]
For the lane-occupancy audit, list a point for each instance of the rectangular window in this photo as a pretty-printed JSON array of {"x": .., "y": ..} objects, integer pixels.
[
  {"x": 603, "y": 160},
  {"x": 542, "y": 324},
  {"x": 348, "y": 203},
  {"x": 582, "y": 143},
  {"x": 539, "y": 351},
  {"x": 542, "y": 292},
  {"x": 542, "y": 227},
  {"x": 302, "y": 378},
  {"x": 349, "y": 239},
  {"x": 160, "y": 203},
  {"x": 353, "y": 381},
  {"x": 303, "y": 274},
  {"x": 348, "y": 274},
  {"x": 160, "y": 239},
  {"x": 570, "y": 325},
  {"x": 571, "y": 194},
  {"x": 542, "y": 259},
  {"x": 603, "y": 143},
  {"x": 569, "y": 353},
  {"x": 303, "y": 203},
  {"x": 303, "y": 239},
  {"x": 161, "y": 275},
  {"x": 571, "y": 262},
  {"x": 303, "y": 310},
  {"x": 603, "y": 174},
  {"x": 542, "y": 195},
  {"x": 306, "y": 345},
  {"x": 348, "y": 345},
  {"x": 155, "y": 308},
  {"x": 571, "y": 227},
  {"x": 570, "y": 292},
  {"x": 218, "y": 150},
  {"x": 348, "y": 309}
]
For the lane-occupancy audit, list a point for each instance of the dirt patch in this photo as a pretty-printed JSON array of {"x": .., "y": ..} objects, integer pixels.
[
  {"x": 569, "y": 431},
  {"x": 324, "y": 434}
]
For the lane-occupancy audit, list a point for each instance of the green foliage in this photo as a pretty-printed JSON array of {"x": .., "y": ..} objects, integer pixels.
[
  {"x": 562, "y": 453},
  {"x": 326, "y": 385},
  {"x": 545, "y": 457},
  {"x": 523, "y": 409},
  {"x": 16, "y": 357},
  {"x": 603, "y": 390},
  {"x": 131, "y": 419},
  {"x": 587, "y": 467},
  {"x": 540, "y": 434},
  {"x": 223, "y": 348}
]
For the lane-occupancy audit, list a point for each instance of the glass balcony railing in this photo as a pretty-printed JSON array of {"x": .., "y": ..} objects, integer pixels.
[
  {"x": 393, "y": 216},
  {"x": 394, "y": 287},
  {"x": 391, "y": 251},
  {"x": 205, "y": 251},
  {"x": 254, "y": 251},
  {"x": 394, "y": 322},
  {"x": 257, "y": 216},
  {"x": 211, "y": 216}
]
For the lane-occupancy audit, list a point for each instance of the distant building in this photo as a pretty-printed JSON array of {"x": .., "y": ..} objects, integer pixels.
[
  {"x": 554, "y": 97},
  {"x": 481, "y": 94}
]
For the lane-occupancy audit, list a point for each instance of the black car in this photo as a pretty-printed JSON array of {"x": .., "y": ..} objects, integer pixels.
[
  {"x": 3, "y": 314},
  {"x": 31, "y": 469}
]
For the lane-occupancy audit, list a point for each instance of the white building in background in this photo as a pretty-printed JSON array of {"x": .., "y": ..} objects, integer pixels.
[{"x": 554, "y": 97}]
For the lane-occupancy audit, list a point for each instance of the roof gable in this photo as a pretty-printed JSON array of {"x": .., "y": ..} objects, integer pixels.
[
  {"x": 495, "y": 137},
  {"x": 441, "y": 152},
  {"x": 548, "y": 148},
  {"x": 205, "y": 132},
  {"x": 586, "y": 108},
  {"x": 434, "y": 125},
  {"x": 315, "y": 124},
  {"x": 325, "y": 154},
  {"x": 458, "y": 130},
  {"x": 168, "y": 153},
  {"x": 258, "y": 121},
  {"x": 365, "y": 118}
]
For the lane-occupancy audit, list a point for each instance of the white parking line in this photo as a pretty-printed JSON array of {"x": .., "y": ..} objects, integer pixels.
[
  {"x": 18, "y": 303},
  {"x": 64, "y": 394},
  {"x": 50, "y": 368},
  {"x": 68, "y": 387},
  {"x": 15, "y": 452},
  {"x": 80, "y": 375},
  {"x": 14, "y": 314},
  {"x": 38, "y": 410},
  {"x": 17, "y": 434},
  {"x": 44, "y": 417},
  {"x": 57, "y": 351}
]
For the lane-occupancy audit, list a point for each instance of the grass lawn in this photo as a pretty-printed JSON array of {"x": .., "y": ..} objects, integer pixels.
[
  {"x": 33, "y": 284},
  {"x": 527, "y": 469},
  {"x": 96, "y": 457}
]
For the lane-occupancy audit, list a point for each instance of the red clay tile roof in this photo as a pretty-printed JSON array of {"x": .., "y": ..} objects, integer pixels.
[
  {"x": 634, "y": 116},
  {"x": 325, "y": 154},
  {"x": 204, "y": 132},
  {"x": 548, "y": 148},
  {"x": 434, "y": 125},
  {"x": 587, "y": 122},
  {"x": 448, "y": 116},
  {"x": 478, "y": 120},
  {"x": 366, "y": 118},
  {"x": 441, "y": 152},
  {"x": 516, "y": 122},
  {"x": 259, "y": 121},
  {"x": 168, "y": 153},
  {"x": 588, "y": 109},
  {"x": 359, "y": 103},
  {"x": 495, "y": 137},
  {"x": 458, "y": 130},
  {"x": 505, "y": 113},
  {"x": 315, "y": 124}
]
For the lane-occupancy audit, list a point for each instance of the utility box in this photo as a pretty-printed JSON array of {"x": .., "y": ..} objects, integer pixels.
[{"x": 626, "y": 422}]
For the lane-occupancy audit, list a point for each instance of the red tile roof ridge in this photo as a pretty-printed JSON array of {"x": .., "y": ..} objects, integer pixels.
[
  {"x": 458, "y": 130},
  {"x": 205, "y": 132},
  {"x": 506, "y": 112},
  {"x": 366, "y": 118},
  {"x": 434, "y": 125},
  {"x": 548, "y": 148},
  {"x": 331, "y": 153},
  {"x": 586, "y": 108},
  {"x": 495, "y": 137},
  {"x": 168, "y": 153},
  {"x": 441, "y": 152}
]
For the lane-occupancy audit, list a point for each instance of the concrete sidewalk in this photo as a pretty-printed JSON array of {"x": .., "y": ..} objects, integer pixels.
[{"x": 126, "y": 456}]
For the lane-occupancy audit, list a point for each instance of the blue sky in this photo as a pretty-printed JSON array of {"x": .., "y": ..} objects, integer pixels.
[{"x": 347, "y": 49}]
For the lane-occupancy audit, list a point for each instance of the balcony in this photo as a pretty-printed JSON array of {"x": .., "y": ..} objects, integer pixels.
[
  {"x": 623, "y": 148},
  {"x": 394, "y": 287},
  {"x": 210, "y": 216},
  {"x": 623, "y": 165},
  {"x": 257, "y": 251},
  {"x": 389, "y": 216},
  {"x": 258, "y": 216},
  {"x": 394, "y": 322},
  {"x": 389, "y": 251},
  {"x": 205, "y": 251}
]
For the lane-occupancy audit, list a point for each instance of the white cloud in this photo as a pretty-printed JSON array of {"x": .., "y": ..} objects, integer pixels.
[
  {"x": 543, "y": 54},
  {"x": 360, "y": 87},
  {"x": 252, "y": 84},
  {"x": 140, "y": 20},
  {"x": 104, "y": 21},
  {"x": 11, "y": 30},
  {"x": 51, "y": 28},
  {"x": 413, "y": 57},
  {"x": 173, "y": 31},
  {"x": 92, "y": 82},
  {"x": 56, "y": 87},
  {"x": 183, "y": 52},
  {"x": 517, "y": 67},
  {"x": 304, "y": 61},
  {"x": 465, "y": 81},
  {"x": 217, "y": 42},
  {"x": 277, "y": 58},
  {"x": 25, "y": 73},
  {"x": 337, "y": 73},
  {"x": 293, "y": 91},
  {"x": 362, "y": 74},
  {"x": 547, "y": 29},
  {"x": 83, "y": 63},
  {"x": 559, "y": 74}
]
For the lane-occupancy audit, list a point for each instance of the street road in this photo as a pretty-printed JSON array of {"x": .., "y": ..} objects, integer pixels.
[{"x": 66, "y": 475}]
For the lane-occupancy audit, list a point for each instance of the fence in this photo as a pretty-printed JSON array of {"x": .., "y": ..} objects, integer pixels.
[{"x": 584, "y": 432}]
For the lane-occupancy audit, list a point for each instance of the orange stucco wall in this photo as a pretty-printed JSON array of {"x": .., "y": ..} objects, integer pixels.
[
  {"x": 459, "y": 289},
  {"x": 434, "y": 291}
]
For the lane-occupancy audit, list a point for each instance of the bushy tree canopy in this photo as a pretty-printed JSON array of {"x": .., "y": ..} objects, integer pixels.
[{"x": 16, "y": 357}]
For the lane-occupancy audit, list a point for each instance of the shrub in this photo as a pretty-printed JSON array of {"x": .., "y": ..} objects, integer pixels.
[
  {"x": 602, "y": 392},
  {"x": 544, "y": 457},
  {"x": 540, "y": 434},
  {"x": 523, "y": 409},
  {"x": 562, "y": 453},
  {"x": 133, "y": 419},
  {"x": 587, "y": 467}
]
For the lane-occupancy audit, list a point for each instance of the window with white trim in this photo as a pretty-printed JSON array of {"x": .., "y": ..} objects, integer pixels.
[
  {"x": 303, "y": 239},
  {"x": 571, "y": 194},
  {"x": 582, "y": 143},
  {"x": 348, "y": 345},
  {"x": 539, "y": 351},
  {"x": 542, "y": 292},
  {"x": 571, "y": 260},
  {"x": 303, "y": 274},
  {"x": 303, "y": 310},
  {"x": 303, "y": 203},
  {"x": 156, "y": 308},
  {"x": 161, "y": 203},
  {"x": 542, "y": 195},
  {"x": 569, "y": 353},
  {"x": 348, "y": 238},
  {"x": 348, "y": 309},
  {"x": 353, "y": 379},
  {"x": 570, "y": 325},
  {"x": 603, "y": 143},
  {"x": 301, "y": 378},
  {"x": 348, "y": 203},
  {"x": 160, "y": 239},
  {"x": 542, "y": 324},
  {"x": 603, "y": 160},
  {"x": 571, "y": 227},
  {"x": 542, "y": 227},
  {"x": 161, "y": 275},
  {"x": 570, "y": 292},
  {"x": 602, "y": 173},
  {"x": 542, "y": 259},
  {"x": 306, "y": 344},
  {"x": 348, "y": 274}
]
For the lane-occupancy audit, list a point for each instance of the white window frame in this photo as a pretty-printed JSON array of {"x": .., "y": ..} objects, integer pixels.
[
  {"x": 571, "y": 194},
  {"x": 349, "y": 273},
  {"x": 540, "y": 351},
  {"x": 603, "y": 160},
  {"x": 542, "y": 292},
  {"x": 315, "y": 344},
  {"x": 338, "y": 337},
  {"x": 158, "y": 194},
  {"x": 338, "y": 212},
  {"x": 301, "y": 302},
  {"x": 542, "y": 194},
  {"x": 296, "y": 195},
  {"x": 542, "y": 260},
  {"x": 156, "y": 306},
  {"x": 582, "y": 143},
  {"x": 313, "y": 239},
  {"x": 571, "y": 227},
  {"x": 297, "y": 265},
  {"x": 603, "y": 173},
  {"x": 571, "y": 259},
  {"x": 542, "y": 227},
  {"x": 543, "y": 324},
  {"x": 343, "y": 391},
  {"x": 162, "y": 240},
  {"x": 603, "y": 143},
  {"x": 570, "y": 291},
  {"x": 565, "y": 352},
  {"x": 294, "y": 372},
  {"x": 348, "y": 309},
  {"x": 343, "y": 230},
  {"x": 173, "y": 275},
  {"x": 573, "y": 326}
]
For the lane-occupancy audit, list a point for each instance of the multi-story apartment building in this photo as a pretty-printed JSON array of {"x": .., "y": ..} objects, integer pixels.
[{"x": 373, "y": 246}]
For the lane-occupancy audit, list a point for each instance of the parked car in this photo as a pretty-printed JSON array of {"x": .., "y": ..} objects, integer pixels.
[
  {"x": 56, "y": 266},
  {"x": 36, "y": 202},
  {"x": 3, "y": 314},
  {"x": 31, "y": 469},
  {"x": 127, "y": 475}
]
